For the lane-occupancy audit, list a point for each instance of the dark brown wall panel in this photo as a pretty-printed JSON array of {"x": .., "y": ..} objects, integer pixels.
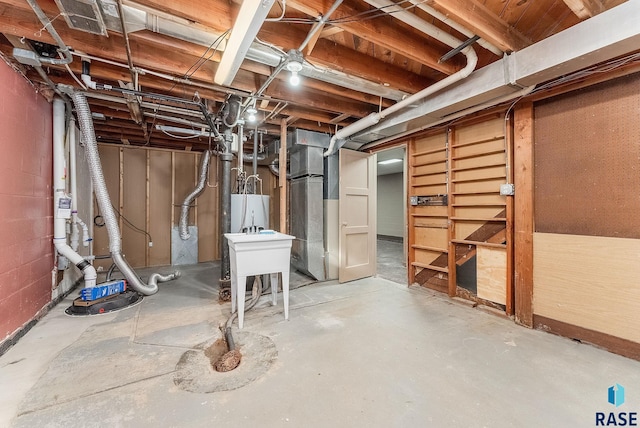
[
  {"x": 160, "y": 207},
  {"x": 587, "y": 161},
  {"x": 134, "y": 208}
]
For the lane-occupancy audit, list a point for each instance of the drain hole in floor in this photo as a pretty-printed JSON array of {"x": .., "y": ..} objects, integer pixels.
[{"x": 195, "y": 372}]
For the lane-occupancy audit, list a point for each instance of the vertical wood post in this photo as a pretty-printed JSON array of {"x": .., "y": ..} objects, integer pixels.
[
  {"x": 508, "y": 138},
  {"x": 523, "y": 222},
  {"x": 282, "y": 181},
  {"x": 451, "y": 229}
]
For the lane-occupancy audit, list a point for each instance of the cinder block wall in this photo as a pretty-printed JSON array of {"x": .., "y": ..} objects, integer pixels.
[{"x": 26, "y": 228}]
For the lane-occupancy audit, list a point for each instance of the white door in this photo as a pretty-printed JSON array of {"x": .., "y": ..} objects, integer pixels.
[{"x": 357, "y": 215}]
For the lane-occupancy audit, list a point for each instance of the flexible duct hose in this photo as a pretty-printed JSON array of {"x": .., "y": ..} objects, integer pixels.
[
  {"x": 202, "y": 181},
  {"x": 104, "y": 202}
]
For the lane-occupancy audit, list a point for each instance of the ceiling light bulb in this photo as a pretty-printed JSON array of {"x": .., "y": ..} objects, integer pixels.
[
  {"x": 251, "y": 114},
  {"x": 294, "y": 80}
]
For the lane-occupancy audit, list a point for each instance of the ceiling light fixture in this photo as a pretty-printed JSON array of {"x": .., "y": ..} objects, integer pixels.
[
  {"x": 251, "y": 111},
  {"x": 294, "y": 65},
  {"x": 250, "y": 18},
  {"x": 389, "y": 161}
]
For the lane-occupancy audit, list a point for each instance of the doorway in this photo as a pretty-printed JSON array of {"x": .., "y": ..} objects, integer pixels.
[{"x": 392, "y": 215}]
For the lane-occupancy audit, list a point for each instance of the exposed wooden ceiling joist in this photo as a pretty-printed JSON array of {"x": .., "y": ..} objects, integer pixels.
[
  {"x": 585, "y": 8},
  {"x": 483, "y": 22}
]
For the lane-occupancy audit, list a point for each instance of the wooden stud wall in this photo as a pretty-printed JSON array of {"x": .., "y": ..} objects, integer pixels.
[
  {"x": 148, "y": 186},
  {"x": 468, "y": 164},
  {"x": 428, "y": 239}
]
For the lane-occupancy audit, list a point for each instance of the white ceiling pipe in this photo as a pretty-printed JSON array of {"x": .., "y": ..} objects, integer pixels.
[
  {"x": 60, "y": 198},
  {"x": 144, "y": 18},
  {"x": 431, "y": 30},
  {"x": 493, "y": 102},
  {"x": 461, "y": 29}
]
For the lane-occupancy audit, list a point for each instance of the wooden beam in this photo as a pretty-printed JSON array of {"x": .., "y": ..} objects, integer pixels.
[
  {"x": 382, "y": 33},
  {"x": 509, "y": 306},
  {"x": 350, "y": 61},
  {"x": 483, "y": 22},
  {"x": 523, "y": 213},
  {"x": 584, "y": 9}
]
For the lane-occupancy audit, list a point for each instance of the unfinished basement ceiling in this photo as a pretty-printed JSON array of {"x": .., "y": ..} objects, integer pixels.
[{"x": 364, "y": 58}]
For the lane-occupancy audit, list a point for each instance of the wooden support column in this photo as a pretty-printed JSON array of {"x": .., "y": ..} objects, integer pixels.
[
  {"x": 282, "y": 180},
  {"x": 451, "y": 230},
  {"x": 508, "y": 138},
  {"x": 523, "y": 221}
]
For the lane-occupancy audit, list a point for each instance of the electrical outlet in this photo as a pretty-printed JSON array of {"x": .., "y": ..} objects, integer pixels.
[{"x": 507, "y": 189}]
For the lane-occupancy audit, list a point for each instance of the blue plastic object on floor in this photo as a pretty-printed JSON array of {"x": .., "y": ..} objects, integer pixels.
[{"x": 103, "y": 290}]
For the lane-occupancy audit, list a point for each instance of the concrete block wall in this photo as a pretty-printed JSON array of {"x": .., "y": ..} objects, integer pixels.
[{"x": 26, "y": 224}]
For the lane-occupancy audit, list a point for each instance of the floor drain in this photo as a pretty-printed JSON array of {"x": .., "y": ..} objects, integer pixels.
[{"x": 195, "y": 371}]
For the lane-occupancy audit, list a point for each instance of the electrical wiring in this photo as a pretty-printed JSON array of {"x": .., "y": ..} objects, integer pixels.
[
  {"x": 283, "y": 6},
  {"x": 131, "y": 225}
]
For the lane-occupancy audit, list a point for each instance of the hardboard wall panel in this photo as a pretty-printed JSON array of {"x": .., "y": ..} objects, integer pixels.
[
  {"x": 207, "y": 210},
  {"x": 110, "y": 161},
  {"x": 588, "y": 281},
  {"x": 587, "y": 152},
  {"x": 160, "y": 207},
  {"x": 134, "y": 210}
]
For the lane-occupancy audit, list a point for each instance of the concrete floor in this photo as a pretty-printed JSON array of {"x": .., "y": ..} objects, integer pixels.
[
  {"x": 391, "y": 261},
  {"x": 366, "y": 353}
]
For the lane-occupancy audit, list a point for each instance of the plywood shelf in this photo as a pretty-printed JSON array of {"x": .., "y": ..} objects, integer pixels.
[
  {"x": 471, "y": 143},
  {"x": 475, "y": 180},
  {"x": 429, "y": 152},
  {"x": 428, "y": 248},
  {"x": 478, "y": 219},
  {"x": 477, "y": 205},
  {"x": 471, "y": 168},
  {"x": 478, "y": 155},
  {"x": 432, "y": 226},
  {"x": 429, "y": 215},
  {"x": 493, "y": 192},
  {"x": 426, "y": 266},
  {"x": 444, "y": 171},
  {"x": 433, "y": 162},
  {"x": 478, "y": 243}
]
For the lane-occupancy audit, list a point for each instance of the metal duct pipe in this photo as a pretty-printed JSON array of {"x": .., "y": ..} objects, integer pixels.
[
  {"x": 186, "y": 204},
  {"x": 274, "y": 167},
  {"x": 60, "y": 198},
  {"x": 104, "y": 202},
  {"x": 63, "y": 48},
  {"x": 225, "y": 203},
  {"x": 431, "y": 30}
]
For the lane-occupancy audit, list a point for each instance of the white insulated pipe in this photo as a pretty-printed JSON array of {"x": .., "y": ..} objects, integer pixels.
[
  {"x": 59, "y": 186},
  {"x": 75, "y": 220},
  {"x": 431, "y": 30}
]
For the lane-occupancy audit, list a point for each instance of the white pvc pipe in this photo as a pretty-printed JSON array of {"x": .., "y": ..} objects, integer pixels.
[
  {"x": 59, "y": 186},
  {"x": 493, "y": 102},
  {"x": 75, "y": 220},
  {"x": 431, "y": 30}
]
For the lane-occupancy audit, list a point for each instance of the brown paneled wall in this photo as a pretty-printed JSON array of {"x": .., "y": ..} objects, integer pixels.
[
  {"x": 587, "y": 161},
  {"x": 147, "y": 186},
  {"x": 587, "y": 215}
]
